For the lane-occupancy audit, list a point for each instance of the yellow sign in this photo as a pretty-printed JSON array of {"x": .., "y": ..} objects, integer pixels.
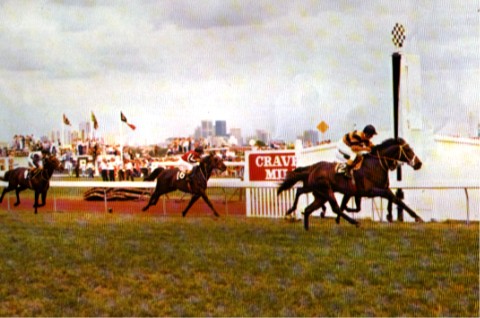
[{"x": 322, "y": 126}]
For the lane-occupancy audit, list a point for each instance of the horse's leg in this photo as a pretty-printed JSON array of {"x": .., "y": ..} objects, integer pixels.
[
  {"x": 389, "y": 209},
  {"x": 17, "y": 193},
  {"x": 336, "y": 209},
  {"x": 35, "y": 205},
  {"x": 324, "y": 208},
  {"x": 207, "y": 200},
  {"x": 358, "y": 205},
  {"x": 298, "y": 193},
  {"x": 324, "y": 211},
  {"x": 157, "y": 196},
  {"x": 153, "y": 199},
  {"x": 194, "y": 199},
  {"x": 392, "y": 197},
  {"x": 344, "y": 206},
  {"x": 316, "y": 204},
  {"x": 44, "y": 198}
]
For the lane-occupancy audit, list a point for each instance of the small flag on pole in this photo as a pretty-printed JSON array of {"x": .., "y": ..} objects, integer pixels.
[
  {"x": 94, "y": 120},
  {"x": 66, "y": 121},
  {"x": 124, "y": 119}
]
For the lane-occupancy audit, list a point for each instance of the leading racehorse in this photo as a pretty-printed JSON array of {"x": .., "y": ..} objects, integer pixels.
[
  {"x": 169, "y": 180},
  {"x": 38, "y": 180},
  {"x": 371, "y": 180}
]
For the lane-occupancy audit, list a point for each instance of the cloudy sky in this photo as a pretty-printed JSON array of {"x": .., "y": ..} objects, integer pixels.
[{"x": 281, "y": 66}]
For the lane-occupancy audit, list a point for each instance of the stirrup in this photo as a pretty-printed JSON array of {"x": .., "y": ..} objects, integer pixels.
[{"x": 347, "y": 174}]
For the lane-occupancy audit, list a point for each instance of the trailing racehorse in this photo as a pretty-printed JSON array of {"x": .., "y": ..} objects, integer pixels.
[
  {"x": 38, "y": 180},
  {"x": 169, "y": 180},
  {"x": 371, "y": 180}
]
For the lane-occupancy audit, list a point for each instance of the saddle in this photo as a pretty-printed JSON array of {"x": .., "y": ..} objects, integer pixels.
[
  {"x": 31, "y": 173},
  {"x": 343, "y": 167}
]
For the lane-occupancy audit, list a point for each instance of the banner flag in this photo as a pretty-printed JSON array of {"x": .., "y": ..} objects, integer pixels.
[
  {"x": 66, "y": 121},
  {"x": 124, "y": 119},
  {"x": 94, "y": 120}
]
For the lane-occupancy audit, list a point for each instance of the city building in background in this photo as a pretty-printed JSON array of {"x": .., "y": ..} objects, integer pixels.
[
  {"x": 221, "y": 128},
  {"x": 310, "y": 137}
]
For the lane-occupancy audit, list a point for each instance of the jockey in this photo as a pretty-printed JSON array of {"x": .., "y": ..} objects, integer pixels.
[
  {"x": 189, "y": 160},
  {"x": 35, "y": 163},
  {"x": 353, "y": 144}
]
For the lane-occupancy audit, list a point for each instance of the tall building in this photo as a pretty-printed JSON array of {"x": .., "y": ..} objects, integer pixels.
[
  {"x": 237, "y": 133},
  {"x": 310, "y": 136},
  {"x": 220, "y": 128},
  {"x": 206, "y": 128},
  {"x": 263, "y": 135}
]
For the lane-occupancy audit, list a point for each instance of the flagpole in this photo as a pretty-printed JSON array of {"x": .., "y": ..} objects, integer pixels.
[
  {"x": 92, "y": 125},
  {"x": 121, "y": 140}
]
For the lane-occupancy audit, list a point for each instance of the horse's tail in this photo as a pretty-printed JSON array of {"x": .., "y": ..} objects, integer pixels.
[
  {"x": 152, "y": 176},
  {"x": 5, "y": 176},
  {"x": 292, "y": 177}
]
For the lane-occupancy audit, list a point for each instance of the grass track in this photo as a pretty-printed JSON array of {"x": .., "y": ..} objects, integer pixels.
[{"x": 90, "y": 264}]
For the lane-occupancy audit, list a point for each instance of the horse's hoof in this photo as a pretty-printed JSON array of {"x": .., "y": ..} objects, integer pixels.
[
  {"x": 357, "y": 225},
  {"x": 16, "y": 204},
  {"x": 217, "y": 215},
  {"x": 418, "y": 219},
  {"x": 337, "y": 221}
]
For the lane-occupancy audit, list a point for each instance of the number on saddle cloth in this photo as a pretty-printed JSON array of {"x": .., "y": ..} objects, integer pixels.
[
  {"x": 340, "y": 167},
  {"x": 180, "y": 175}
]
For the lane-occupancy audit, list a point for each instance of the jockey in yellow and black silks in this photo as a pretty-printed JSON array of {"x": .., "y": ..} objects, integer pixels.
[{"x": 353, "y": 146}]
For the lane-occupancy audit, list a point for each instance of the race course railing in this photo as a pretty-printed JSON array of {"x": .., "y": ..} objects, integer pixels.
[{"x": 261, "y": 197}]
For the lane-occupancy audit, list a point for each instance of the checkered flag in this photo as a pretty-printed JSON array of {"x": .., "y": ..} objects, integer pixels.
[{"x": 398, "y": 35}]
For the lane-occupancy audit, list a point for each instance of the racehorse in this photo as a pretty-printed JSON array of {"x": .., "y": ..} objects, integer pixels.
[
  {"x": 371, "y": 180},
  {"x": 169, "y": 180},
  {"x": 301, "y": 174},
  {"x": 20, "y": 179}
]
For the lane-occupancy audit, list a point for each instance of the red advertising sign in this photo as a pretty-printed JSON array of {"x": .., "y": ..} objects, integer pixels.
[{"x": 271, "y": 166}]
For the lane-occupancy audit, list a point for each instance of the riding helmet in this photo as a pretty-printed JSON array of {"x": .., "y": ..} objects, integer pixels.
[
  {"x": 370, "y": 130},
  {"x": 199, "y": 149}
]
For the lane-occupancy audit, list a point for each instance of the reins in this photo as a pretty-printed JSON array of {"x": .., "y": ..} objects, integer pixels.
[{"x": 384, "y": 159}]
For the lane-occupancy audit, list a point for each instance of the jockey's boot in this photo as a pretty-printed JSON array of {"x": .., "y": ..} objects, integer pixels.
[
  {"x": 189, "y": 175},
  {"x": 351, "y": 164},
  {"x": 349, "y": 169},
  {"x": 31, "y": 172}
]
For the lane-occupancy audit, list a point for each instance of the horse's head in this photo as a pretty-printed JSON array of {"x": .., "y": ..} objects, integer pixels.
[
  {"x": 214, "y": 162},
  {"x": 408, "y": 155},
  {"x": 218, "y": 163},
  {"x": 397, "y": 150},
  {"x": 52, "y": 162}
]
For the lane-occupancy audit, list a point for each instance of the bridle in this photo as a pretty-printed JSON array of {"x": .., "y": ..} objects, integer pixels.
[{"x": 385, "y": 159}]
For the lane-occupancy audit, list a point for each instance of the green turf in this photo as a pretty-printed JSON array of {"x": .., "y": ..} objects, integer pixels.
[{"x": 86, "y": 264}]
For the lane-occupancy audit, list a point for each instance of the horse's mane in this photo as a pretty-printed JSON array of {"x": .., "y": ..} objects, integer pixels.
[{"x": 388, "y": 143}]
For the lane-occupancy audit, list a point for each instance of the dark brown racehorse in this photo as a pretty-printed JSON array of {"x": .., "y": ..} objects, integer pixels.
[
  {"x": 371, "y": 180},
  {"x": 169, "y": 180},
  {"x": 301, "y": 174},
  {"x": 20, "y": 179}
]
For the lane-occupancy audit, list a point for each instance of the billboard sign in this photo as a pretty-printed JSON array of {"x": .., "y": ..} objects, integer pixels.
[{"x": 270, "y": 166}]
